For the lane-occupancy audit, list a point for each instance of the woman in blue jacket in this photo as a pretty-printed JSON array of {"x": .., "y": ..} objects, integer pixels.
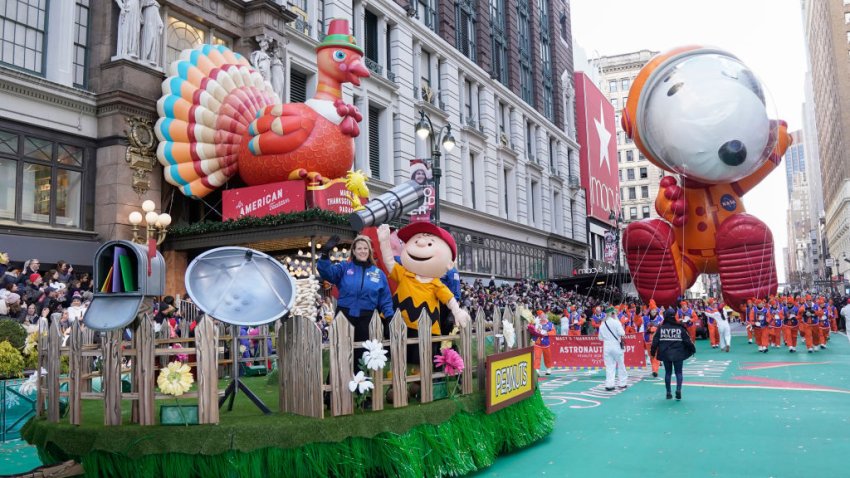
[{"x": 363, "y": 288}]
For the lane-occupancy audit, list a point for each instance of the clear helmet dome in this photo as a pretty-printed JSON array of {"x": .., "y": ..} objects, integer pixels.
[{"x": 705, "y": 115}]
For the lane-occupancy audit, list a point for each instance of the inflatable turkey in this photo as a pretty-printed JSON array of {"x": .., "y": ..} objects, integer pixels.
[{"x": 219, "y": 118}]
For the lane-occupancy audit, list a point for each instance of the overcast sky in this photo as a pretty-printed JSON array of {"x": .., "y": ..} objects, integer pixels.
[{"x": 767, "y": 35}]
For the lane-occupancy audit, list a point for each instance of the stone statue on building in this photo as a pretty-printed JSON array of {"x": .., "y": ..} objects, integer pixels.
[
  {"x": 152, "y": 28},
  {"x": 268, "y": 60},
  {"x": 129, "y": 26}
]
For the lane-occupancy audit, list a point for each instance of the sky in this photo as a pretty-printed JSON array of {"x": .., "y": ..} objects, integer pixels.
[{"x": 767, "y": 35}]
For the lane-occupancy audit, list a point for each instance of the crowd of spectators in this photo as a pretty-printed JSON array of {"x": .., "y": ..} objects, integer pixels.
[{"x": 31, "y": 291}]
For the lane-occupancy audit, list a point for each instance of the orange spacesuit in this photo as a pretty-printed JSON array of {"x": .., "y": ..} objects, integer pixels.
[{"x": 722, "y": 155}]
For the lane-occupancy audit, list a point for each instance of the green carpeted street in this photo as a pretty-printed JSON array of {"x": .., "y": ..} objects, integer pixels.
[{"x": 743, "y": 414}]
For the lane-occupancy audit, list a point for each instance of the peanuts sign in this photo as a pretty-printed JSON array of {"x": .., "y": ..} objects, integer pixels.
[{"x": 510, "y": 378}]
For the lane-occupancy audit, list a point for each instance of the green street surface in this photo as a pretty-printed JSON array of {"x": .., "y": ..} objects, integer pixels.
[{"x": 743, "y": 414}]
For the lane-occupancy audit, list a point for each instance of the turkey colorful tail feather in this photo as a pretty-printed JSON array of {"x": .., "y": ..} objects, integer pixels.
[{"x": 210, "y": 98}]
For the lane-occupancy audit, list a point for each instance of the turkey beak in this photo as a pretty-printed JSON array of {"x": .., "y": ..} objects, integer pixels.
[{"x": 356, "y": 71}]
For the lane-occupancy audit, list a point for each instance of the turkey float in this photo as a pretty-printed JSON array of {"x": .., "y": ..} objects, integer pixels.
[{"x": 220, "y": 118}]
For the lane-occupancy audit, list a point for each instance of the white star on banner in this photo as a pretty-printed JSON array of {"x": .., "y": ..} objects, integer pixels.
[{"x": 604, "y": 138}]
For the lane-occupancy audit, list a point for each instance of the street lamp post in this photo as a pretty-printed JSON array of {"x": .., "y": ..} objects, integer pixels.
[
  {"x": 424, "y": 129},
  {"x": 156, "y": 225},
  {"x": 617, "y": 218}
]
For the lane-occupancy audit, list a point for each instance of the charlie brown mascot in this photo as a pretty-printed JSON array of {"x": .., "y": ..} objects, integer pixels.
[{"x": 428, "y": 253}]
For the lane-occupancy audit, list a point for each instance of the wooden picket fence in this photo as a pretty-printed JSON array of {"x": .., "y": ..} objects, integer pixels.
[{"x": 299, "y": 363}]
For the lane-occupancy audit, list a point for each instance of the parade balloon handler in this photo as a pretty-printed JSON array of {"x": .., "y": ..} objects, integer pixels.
[
  {"x": 651, "y": 321},
  {"x": 429, "y": 253},
  {"x": 363, "y": 287},
  {"x": 611, "y": 333},
  {"x": 672, "y": 345},
  {"x": 541, "y": 331}
]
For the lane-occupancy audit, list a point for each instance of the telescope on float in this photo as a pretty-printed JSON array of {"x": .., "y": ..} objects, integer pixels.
[{"x": 388, "y": 206}]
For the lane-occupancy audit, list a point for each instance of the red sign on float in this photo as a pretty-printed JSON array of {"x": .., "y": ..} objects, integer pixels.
[
  {"x": 263, "y": 200},
  {"x": 584, "y": 351},
  {"x": 597, "y": 135},
  {"x": 331, "y": 197}
]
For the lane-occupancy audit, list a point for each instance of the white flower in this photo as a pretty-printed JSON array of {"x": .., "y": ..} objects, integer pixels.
[
  {"x": 175, "y": 379},
  {"x": 29, "y": 386},
  {"x": 375, "y": 356},
  {"x": 509, "y": 333},
  {"x": 361, "y": 383},
  {"x": 31, "y": 344}
]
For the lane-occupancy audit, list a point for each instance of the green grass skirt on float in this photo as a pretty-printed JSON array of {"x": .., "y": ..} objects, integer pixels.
[{"x": 443, "y": 438}]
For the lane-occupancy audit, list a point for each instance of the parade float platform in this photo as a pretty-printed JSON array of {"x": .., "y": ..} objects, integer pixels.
[{"x": 453, "y": 436}]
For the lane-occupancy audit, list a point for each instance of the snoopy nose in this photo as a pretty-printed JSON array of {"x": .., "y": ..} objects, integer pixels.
[{"x": 733, "y": 152}]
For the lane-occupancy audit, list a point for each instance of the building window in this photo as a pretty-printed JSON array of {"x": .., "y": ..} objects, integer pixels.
[
  {"x": 612, "y": 86},
  {"x": 622, "y": 194},
  {"x": 472, "y": 160},
  {"x": 553, "y": 156},
  {"x": 533, "y": 202},
  {"x": 374, "y": 142},
  {"x": 467, "y": 101},
  {"x": 624, "y": 85},
  {"x": 22, "y": 27},
  {"x": 614, "y": 103},
  {"x": 644, "y": 192},
  {"x": 643, "y": 173},
  {"x": 644, "y": 212},
  {"x": 182, "y": 36},
  {"x": 526, "y": 80},
  {"x": 630, "y": 174},
  {"x": 630, "y": 155},
  {"x": 632, "y": 193},
  {"x": 465, "y": 16},
  {"x": 564, "y": 29},
  {"x": 620, "y": 171},
  {"x": 426, "y": 11},
  {"x": 297, "y": 86},
  {"x": 620, "y": 136},
  {"x": 43, "y": 179},
  {"x": 371, "y": 43},
  {"x": 633, "y": 213},
  {"x": 81, "y": 41},
  {"x": 546, "y": 59},
  {"x": 530, "y": 144},
  {"x": 499, "y": 41}
]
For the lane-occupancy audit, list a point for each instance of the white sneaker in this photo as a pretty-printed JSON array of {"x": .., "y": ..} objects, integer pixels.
[
  {"x": 823, "y": 346},
  {"x": 548, "y": 372}
]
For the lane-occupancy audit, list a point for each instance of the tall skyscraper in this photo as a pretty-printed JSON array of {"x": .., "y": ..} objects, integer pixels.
[
  {"x": 795, "y": 159},
  {"x": 826, "y": 30}
]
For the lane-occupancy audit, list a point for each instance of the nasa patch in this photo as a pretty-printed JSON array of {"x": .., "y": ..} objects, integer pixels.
[{"x": 728, "y": 202}]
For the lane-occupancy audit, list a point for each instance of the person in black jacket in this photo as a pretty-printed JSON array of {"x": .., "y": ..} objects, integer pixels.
[{"x": 672, "y": 345}]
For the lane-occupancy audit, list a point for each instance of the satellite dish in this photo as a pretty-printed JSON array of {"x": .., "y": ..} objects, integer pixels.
[{"x": 240, "y": 286}]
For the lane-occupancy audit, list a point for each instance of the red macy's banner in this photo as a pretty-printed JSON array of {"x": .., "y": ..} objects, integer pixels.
[
  {"x": 597, "y": 136},
  {"x": 586, "y": 351}
]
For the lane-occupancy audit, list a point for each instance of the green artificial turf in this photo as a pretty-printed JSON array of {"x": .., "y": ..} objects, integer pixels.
[{"x": 446, "y": 437}]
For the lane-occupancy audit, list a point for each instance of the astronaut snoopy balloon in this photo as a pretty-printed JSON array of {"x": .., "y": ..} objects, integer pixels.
[{"x": 701, "y": 113}]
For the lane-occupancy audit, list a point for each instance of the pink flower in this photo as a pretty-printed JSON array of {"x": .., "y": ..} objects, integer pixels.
[{"x": 451, "y": 360}]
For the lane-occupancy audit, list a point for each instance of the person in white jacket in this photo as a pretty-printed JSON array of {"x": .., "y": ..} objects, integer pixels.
[
  {"x": 610, "y": 333},
  {"x": 723, "y": 329}
]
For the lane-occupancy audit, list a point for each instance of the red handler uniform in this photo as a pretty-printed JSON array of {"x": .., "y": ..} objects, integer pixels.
[
  {"x": 758, "y": 319},
  {"x": 774, "y": 325},
  {"x": 630, "y": 322},
  {"x": 833, "y": 324},
  {"x": 808, "y": 315},
  {"x": 596, "y": 320}
]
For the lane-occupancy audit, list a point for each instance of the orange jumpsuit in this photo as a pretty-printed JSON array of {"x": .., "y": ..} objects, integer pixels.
[
  {"x": 790, "y": 325},
  {"x": 808, "y": 315},
  {"x": 575, "y": 324},
  {"x": 652, "y": 324},
  {"x": 774, "y": 326},
  {"x": 825, "y": 324},
  {"x": 689, "y": 318},
  {"x": 713, "y": 336},
  {"x": 758, "y": 320},
  {"x": 745, "y": 320},
  {"x": 542, "y": 340}
]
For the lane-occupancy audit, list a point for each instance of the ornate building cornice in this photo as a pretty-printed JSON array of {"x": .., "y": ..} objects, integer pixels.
[{"x": 39, "y": 89}]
